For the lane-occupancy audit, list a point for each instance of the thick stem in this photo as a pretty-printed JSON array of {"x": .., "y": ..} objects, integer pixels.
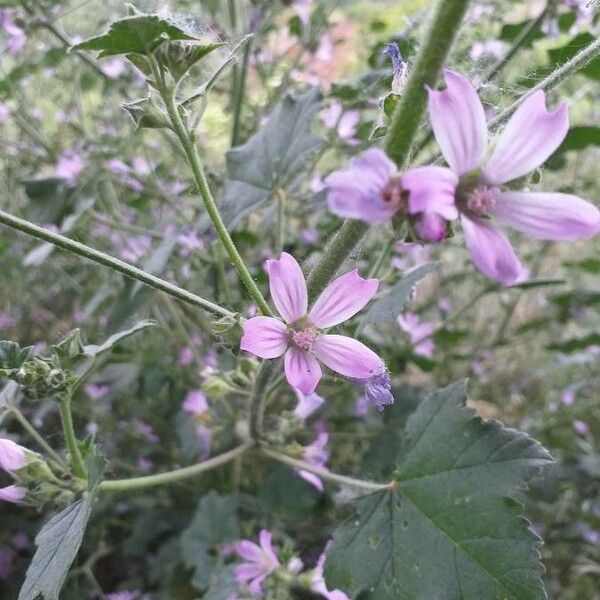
[
  {"x": 259, "y": 398},
  {"x": 210, "y": 205},
  {"x": 136, "y": 483},
  {"x": 66, "y": 418},
  {"x": 113, "y": 263},
  {"x": 443, "y": 27},
  {"x": 325, "y": 474},
  {"x": 334, "y": 255}
]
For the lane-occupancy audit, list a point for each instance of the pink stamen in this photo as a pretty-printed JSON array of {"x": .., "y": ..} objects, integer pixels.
[
  {"x": 481, "y": 200},
  {"x": 305, "y": 338}
]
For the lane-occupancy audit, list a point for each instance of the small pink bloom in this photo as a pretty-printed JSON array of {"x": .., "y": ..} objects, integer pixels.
[
  {"x": 568, "y": 396},
  {"x": 69, "y": 166},
  {"x": 113, "y": 67},
  {"x": 581, "y": 428},
  {"x": 318, "y": 580},
  {"x": 186, "y": 356},
  {"x": 307, "y": 404},
  {"x": 300, "y": 337},
  {"x": 195, "y": 403},
  {"x": 12, "y": 493},
  {"x": 531, "y": 135},
  {"x": 96, "y": 391},
  {"x": 419, "y": 333},
  {"x": 261, "y": 561},
  {"x": 316, "y": 455},
  {"x": 12, "y": 456},
  {"x": 344, "y": 122}
]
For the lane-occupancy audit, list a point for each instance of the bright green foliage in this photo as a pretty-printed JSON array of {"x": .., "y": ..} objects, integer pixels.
[{"x": 451, "y": 529}]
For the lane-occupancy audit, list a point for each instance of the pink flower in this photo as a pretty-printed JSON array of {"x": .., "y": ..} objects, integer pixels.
[
  {"x": 124, "y": 595},
  {"x": 113, "y": 67},
  {"x": 12, "y": 456},
  {"x": 96, "y": 391},
  {"x": 318, "y": 580},
  {"x": 568, "y": 396},
  {"x": 419, "y": 333},
  {"x": 316, "y": 455},
  {"x": 344, "y": 122},
  {"x": 186, "y": 356},
  {"x": 307, "y": 404},
  {"x": 195, "y": 403},
  {"x": 580, "y": 427},
  {"x": 12, "y": 493},
  {"x": 69, "y": 166},
  {"x": 531, "y": 135},
  {"x": 261, "y": 561},
  {"x": 300, "y": 337},
  {"x": 302, "y": 8},
  {"x": 371, "y": 190}
]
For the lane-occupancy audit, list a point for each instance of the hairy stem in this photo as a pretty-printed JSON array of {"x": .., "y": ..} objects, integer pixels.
[
  {"x": 324, "y": 473},
  {"x": 66, "y": 418},
  {"x": 210, "y": 205},
  {"x": 136, "y": 483},
  {"x": 259, "y": 398},
  {"x": 113, "y": 263},
  {"x": 443, "y": 27}
]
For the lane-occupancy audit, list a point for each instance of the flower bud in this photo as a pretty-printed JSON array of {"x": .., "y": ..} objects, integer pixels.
[
  {"x": 12, "y": 493},
  {"x": 215, "y": 387},
  {"x": 12, "y": 456},
  {"x": 430, "y": 227}
]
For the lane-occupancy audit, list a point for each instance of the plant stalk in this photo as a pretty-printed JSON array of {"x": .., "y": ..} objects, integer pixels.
[{"x": 66, "y": 418}]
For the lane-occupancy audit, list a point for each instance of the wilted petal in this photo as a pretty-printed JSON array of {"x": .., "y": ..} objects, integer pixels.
[
  {"x": 302, "y": 370},
  {"x": 342, "y": 299},
  {"x": 347, "y": 356},
  {"x": 265, "y": 337},
  {"x": 355, "y": 192},
  {"x": 491, "y": 251},
  {"x": 548, "y": 216},
  {"x": 311, "y": 478},
  {"x": 431, "y": 190},
  {"x": 307, "y": 404},
  {"x": 458, "y": 122},
  {"x": 288, "y": 287},
  {"x": 529, "y": 138}
]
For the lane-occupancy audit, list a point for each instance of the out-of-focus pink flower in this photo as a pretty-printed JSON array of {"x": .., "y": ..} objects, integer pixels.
[
  {"x": 486, "y": 50},
  {"x": 300, "y": 336},
  {"x": 316, "y": 455},
  {"x": 581, "y": 428},
  {"x": 344, "y": 122},
  {"x": 361, "y": 406},
  {"x": 96, "y": 391},
  {"x": 124, "y": 595},
  {"x": 370, "y": 190},
  {"x": 410, "y": 255},
  {"x": 531, "y": 135},
  {"x": 195, "y": 403},
  {"x": 12, "y": 493},
  {"x": 186, "y": 356},
  {"x": 309, "y": 236},
  {"x": 316, "y": 184},
  {"x": 136, "y": 247},
  {"x": 141, "y": 166},
  {"x": 69, "y": 166},
  {"x": 113, "y": 67},
  {"x": 20, "y": 540},
  {"x": 146, "y": 430},
  {"x": 6, "y": 321},
  {"x": 12, "y": 456},
  {"x": 568, "y": 396},
  {"x": 7, "y": 568},
  {"x": 188, "y": 243},
  {"x": 16, "y": 36},
  {"x": 4, "y": 112},
  {"x": 302, "y": 8},
  {"x": 318, "y": 580},
  {"x": 261, "y": 561},
  {"x": 419, "y": 333},
  {"x": 307, "y": 404}
]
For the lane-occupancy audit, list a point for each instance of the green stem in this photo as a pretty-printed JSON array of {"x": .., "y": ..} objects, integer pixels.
[
  {"x": 136, "y": 483},
  {"x": 240, "y": 92},
  {"x": 28, "y": 427},
  {"x": 325, "y": 474},
  {"x": 383, "y": 256},
  {"x": 210, "y": 205},
  {"x": 66, "y": 418},
  {"x": 334, "y": 255},
  {"x": 281, "y": 208},
  {"x": 443, "y": 27},
  {"x": 113, "y": 263},
  {"x": 259, "y": 398}
]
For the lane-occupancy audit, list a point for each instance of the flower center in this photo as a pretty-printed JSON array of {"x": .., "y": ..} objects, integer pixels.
[
  {"x": 481, "y": 200},
  {"x": 393, "y": 194},
  {"x": 305, "y": 338}
]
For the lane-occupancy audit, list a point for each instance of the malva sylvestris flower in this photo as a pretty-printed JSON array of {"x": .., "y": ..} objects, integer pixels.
[
  {"x": 531, "y": 135},
  {"x": 371, "y": 190},
  {"x": 300, "y": 337},
  {"x": 12, "y": 493},
  {"x": 261, "y": 561},
  {"x": 12, "y": 456}
]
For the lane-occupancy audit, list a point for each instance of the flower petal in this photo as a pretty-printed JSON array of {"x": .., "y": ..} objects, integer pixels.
[
  {"x": 248, "y": 550},
  {"x": 491, "y": 251},
  {"x": 431, "y": 189},
  {"x": 347, "y": 356},
  {"x": 531, "y": 135},
  {"x": 312, "y": 479},
  {"x": 265, "y": 337},
  {"x": 302, "y": 370},
  {"x": 355, "y": 192},
  {"x": 288, "y": 287},
  {"x": 12, "y": 456},
  {"x": 247, "y": 571},
  {"x": 265, "y": 538},
  {"x": 342, "y": 299},
  {"x": 458, "y": 122},
  {"x": 548, "y": 216}
]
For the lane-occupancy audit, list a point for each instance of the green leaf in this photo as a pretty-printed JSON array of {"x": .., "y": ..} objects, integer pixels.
[
  {"x": 139, "y": 34},
  {"x": 59, "y": 540},
  {"x": 580, "y": 137},
  {"x": 388, "y": 307},
  {"x": 272, "y": 157},
  {"x": 576, "y": 344},
  {"x": 145, "y": 114},
  {"x": 559, "y": 56},
  {"x": 449, "y": 529},
  {"x": 12, "y": 356},
  {"x": 511, "y": 31},
  {"x": 93, "y": 350},
  {"x": 215, "y": 523}
]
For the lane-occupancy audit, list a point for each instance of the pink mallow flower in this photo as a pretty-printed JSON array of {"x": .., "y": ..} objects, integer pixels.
[
  {"x": 12, "y": 493},
  {"x": 196, "y": 404},
  {"x": 307, "y": 404},
  {"x": 316, "y": 455},
  {"x": 318, "y": 580},
  {"x": 261, "y": 561},
  {"x": 12, "y": 456},
  {"x": 531, "y": 135},
  {"x": 300, "y": 337},
  {"x": 419, "y": 333},
  {"x": 371, "y": 190},
  {"x": 344, "y": 122}
]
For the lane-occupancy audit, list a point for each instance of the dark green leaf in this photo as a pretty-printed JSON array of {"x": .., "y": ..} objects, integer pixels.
[
  {"x": 450, "y": 529},
  {"x": 93, "y": 350},
  {"x": 576, "y": 344},
  {"x": 388, "y": 307},
  {"x": 580, "y": 137},
  {"x": 559, "y": 56},
  {"x": 511, "y": 31},
  {"x": 272, "y": 157},
  {"x": 12, "y": 356},
  {"x": 589, "y": 265},
  {"x": 145, "y": 114},
  {"x": 139, "y": 34}
]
